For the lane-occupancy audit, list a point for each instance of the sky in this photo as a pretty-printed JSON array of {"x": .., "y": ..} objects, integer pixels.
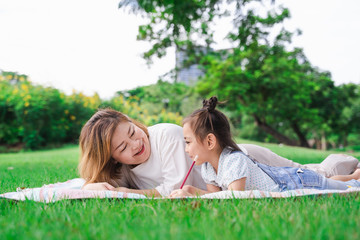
[{"x": 90, "y": 45}]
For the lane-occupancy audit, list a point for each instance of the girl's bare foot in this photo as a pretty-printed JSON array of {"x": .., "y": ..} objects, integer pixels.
[
  {"x": 344, "y": 178},
  {"x": 356, "y": 174}
]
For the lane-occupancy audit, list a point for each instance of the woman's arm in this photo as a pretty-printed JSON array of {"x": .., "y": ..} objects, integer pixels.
[
  {"x": 237, "y": 185},
  {"x": 146, "y": 192},
  {"x": 107, "y": 186},
  {"x": 97, "y": 186}
]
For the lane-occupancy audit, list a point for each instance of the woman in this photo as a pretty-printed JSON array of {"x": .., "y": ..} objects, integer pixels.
[{"x": 117, "y": 151}]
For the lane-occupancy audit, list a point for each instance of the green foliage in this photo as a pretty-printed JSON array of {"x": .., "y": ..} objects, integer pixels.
[
  {"x": 279, "y": 92},
  {"x": 274, "y": 85},
  {"x": 32, "y": 116},
  {"x": 173, "y": 22},
  {"x": 346, "y": 126},
  {"x": 37, "y": 116},
  {"x": 260, "y": 75},
  {"x": 132, "y": 107},
  {"x": 173, "y": 97}
]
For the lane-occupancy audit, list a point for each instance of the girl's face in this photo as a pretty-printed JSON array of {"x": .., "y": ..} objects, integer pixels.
[
  {"x": 129, "y": 144},
  {"x": 194, "y": 147}
]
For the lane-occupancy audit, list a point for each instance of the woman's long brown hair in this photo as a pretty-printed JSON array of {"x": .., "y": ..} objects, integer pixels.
[{"x": 96, "y": 163}]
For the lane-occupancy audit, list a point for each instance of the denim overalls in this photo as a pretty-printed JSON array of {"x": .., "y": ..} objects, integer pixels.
[{"x": 289, "y": 178}]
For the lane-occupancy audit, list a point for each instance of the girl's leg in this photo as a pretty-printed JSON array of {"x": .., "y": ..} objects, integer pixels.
[
  {"x": 344, "y": 178},
  {"x": 329, "y": 183},
  {"x": 334, "y": 164},
  {"x": 266, "y": 156}
]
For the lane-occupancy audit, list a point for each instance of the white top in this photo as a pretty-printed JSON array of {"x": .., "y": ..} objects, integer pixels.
[
  {"x": 234, "y": 165},
  {"x": 168, "y": 164}
]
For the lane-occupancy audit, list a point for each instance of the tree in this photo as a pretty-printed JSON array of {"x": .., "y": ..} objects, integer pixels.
[
  {"x": 259, "y": 75},
  {"x": 347, "y": 121},
  {"x": 174, "y": 22}
]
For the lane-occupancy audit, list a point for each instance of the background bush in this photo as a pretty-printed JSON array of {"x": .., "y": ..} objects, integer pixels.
[{"x": 33, "y": 116}]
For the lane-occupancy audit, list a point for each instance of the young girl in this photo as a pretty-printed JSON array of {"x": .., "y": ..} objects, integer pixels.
[{"x": 225, "y": 167}]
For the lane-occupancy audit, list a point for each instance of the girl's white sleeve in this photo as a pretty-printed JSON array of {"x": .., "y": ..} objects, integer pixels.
[{"x": 235, "y": 168}]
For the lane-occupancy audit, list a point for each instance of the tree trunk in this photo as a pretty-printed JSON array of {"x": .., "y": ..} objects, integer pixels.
[
  {"x": 323, "y": 142},
  {"x": 301, "y": 136},
  {"x": 278, "y": 136},
  {"x": 318, "y": 144},
  {"x": 345, "y": 141}
]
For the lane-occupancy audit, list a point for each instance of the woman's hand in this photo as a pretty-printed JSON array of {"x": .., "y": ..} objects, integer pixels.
[
  {"x": 146, "y": 192},
  {"x": 179, "y": 193},
  {"x": 122, "y": 189},
  {"x": 98, "y": 186}
]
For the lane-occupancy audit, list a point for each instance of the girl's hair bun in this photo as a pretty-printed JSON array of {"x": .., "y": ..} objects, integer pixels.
[{"x": 210, "y": 104}]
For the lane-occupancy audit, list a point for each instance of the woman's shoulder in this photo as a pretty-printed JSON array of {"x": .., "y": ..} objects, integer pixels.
[{"x": 166, "y": 130}]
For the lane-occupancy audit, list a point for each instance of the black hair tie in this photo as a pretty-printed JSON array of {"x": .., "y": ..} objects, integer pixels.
[{"x": 210, "y": 104}]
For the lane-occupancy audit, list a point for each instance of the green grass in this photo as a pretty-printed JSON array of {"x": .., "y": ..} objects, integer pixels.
[{"x": 334, "y": 217}]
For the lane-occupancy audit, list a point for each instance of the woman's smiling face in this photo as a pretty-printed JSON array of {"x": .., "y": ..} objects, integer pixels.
[{"x": 130, "y": 144}]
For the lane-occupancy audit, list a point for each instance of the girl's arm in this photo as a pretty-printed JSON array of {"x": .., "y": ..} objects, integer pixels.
[
  {"x": 212, "y": 188},
  {"x": 198, "y": 192},
  {"x": 146, "y": 192},
  {"x": 237, "y": 185},
  {"x": 188, "y": 190}
]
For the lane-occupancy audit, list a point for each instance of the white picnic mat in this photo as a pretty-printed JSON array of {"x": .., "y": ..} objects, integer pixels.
[{"x": 71, "y": 189}]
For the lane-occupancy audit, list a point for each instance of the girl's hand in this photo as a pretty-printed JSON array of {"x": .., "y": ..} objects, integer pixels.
[
  {"x": 98, "y": 186},
  {"x": 179, "y": 193}
]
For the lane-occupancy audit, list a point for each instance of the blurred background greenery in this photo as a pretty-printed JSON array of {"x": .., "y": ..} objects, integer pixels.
[
  {"x": 33, "y": 116},
  {"x": 272, "y": 91}
]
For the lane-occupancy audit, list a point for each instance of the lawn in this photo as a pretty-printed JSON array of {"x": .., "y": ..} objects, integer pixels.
[{"x": 334, "y": 217}]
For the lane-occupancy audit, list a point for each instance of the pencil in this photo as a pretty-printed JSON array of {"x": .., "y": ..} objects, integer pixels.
[{"x": 187, "y": 175}]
